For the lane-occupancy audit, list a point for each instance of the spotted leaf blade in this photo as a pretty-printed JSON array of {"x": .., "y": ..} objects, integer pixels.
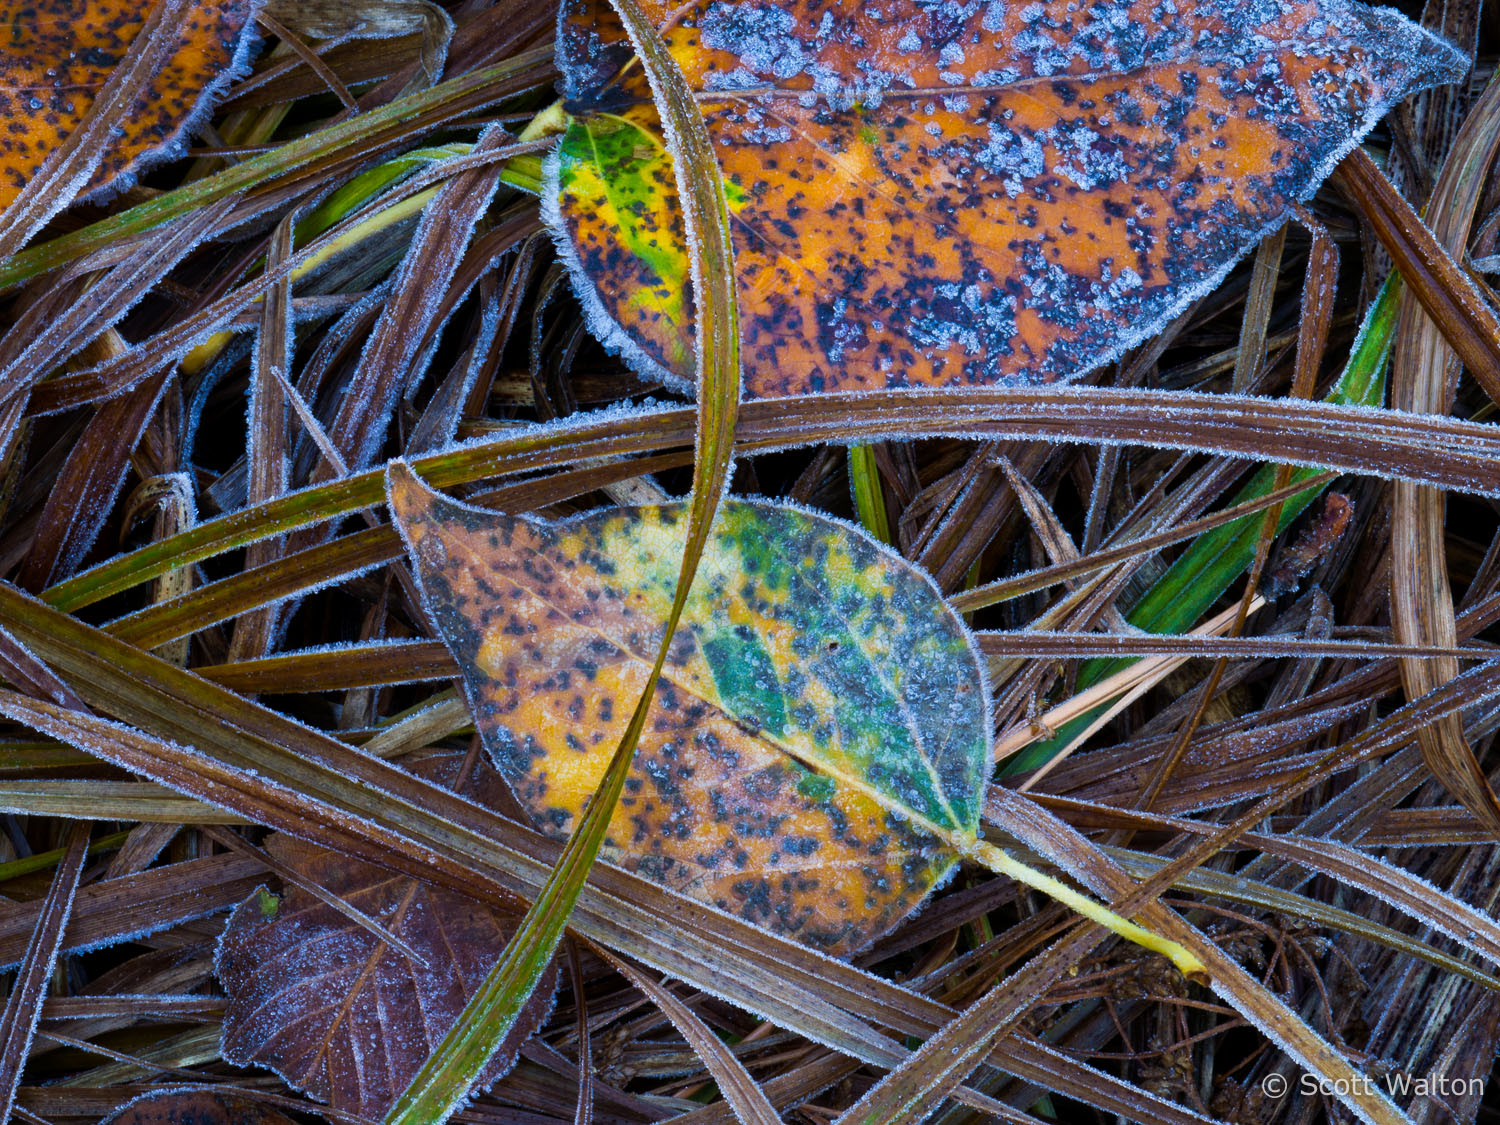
[
  {"x": 817, "y": 688},
  {"x": 56, "y": 55},
  {"x": 938, "y": 194}
]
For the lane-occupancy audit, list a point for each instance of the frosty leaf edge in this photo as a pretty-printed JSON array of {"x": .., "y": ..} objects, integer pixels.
[{"x": 141, "y": 143}]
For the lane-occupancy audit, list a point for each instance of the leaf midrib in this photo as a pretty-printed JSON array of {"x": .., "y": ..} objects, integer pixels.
[{"x": 949, "y": 836}]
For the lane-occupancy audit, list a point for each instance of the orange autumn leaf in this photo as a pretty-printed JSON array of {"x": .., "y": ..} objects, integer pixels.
[
  {"x": 938, "y": 193},
  {"x": 56, "y": 54}
]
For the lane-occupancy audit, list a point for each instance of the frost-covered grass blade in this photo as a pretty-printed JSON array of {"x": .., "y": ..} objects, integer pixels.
[{"x": 445, "y": 1081}]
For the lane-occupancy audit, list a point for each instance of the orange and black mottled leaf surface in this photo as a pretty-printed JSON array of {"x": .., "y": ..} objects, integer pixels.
[
  {"x": 197, "y": 1107},
  {"x": 339, "y": 1013},
  {"x": 56, "y": 54},
  {"x": 944, "y": 193},
  {"x": 821, "y": 722}
]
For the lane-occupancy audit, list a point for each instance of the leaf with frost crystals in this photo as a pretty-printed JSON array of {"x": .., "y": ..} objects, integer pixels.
[
  {"x": 340, "y": 1014},
  {"x": 942, "y": 193},
  {"x": 56, "y": 55},
  {"x": 820, "y": 740}
]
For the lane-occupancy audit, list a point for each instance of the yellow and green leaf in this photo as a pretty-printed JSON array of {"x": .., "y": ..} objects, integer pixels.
[{"x": 820, "y": 738}]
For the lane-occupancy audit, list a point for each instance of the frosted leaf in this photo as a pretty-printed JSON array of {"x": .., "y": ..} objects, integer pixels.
[
  {"x": 58, "y": 53},
  {"x": 348, "y": 1018},
  {"x": 821, "y": 722},
  {"x": 1085, "y": 169}
]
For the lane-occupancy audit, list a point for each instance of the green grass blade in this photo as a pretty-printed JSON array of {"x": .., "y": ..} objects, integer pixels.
[
  {"x": 349, "y": 197},
  {"x": 1204, "y": 571},
  {"x": 45, "y": 861},
  {"x": 446, "y": 1079},
  {"x": 869, "y": 499}
]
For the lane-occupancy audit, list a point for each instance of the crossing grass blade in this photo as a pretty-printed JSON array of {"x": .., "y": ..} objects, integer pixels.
[{"x": 446, "y": 1080}]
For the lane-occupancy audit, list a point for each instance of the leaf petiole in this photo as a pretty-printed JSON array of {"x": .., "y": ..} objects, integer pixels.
[
  {"x": 554, "y": 119},
  {"x": 1002, "y": 863}
]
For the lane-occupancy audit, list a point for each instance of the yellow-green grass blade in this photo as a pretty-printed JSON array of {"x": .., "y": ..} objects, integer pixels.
[
  {"x": 362, "y": 132},
  {"x": 869, "y": 500}
]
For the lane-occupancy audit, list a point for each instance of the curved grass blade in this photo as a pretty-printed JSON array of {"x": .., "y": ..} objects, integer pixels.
[
  {"x": 445, "y": 1081},
  {"x": 751, "y": 1107}
]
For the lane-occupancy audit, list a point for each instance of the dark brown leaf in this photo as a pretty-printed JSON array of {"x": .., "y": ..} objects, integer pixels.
[{"x": 340, "y": 1014}]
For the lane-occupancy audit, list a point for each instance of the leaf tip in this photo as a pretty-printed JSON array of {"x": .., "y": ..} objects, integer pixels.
[
  {"x": 412, "y": 502},
  {"x": 409, "y": 495}
]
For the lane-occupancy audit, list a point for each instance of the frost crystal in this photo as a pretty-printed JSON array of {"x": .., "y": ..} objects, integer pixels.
[{"x": 764, "y": 38}]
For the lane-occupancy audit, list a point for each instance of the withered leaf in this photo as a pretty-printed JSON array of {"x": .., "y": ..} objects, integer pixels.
[
  {"x": 196, "y": 1107},
  {"x": 56, "y": 54},
  {"x": 339, "y": 1013},
  {"x": 821, "y": 732},
  {"x": 944, "y": 192}
]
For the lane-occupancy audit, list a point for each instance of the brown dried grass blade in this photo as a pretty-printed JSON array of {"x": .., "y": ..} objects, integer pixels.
[
  {"x": 749, "y": 1101},
  {"x": 86, "y": 489},
  {"x": 266, "y": 444},
  {"x": 24, "y": 1005},
  {"x": 1424, "y": 448},
  {"x": 1445, "y": 292},
  {"x": 1423, "y": 378}
]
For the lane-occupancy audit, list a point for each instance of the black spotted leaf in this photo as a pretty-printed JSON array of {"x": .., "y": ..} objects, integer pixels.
[
  {"x": 952, "y": 192},
  {"x": 815, "y": 757}
]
